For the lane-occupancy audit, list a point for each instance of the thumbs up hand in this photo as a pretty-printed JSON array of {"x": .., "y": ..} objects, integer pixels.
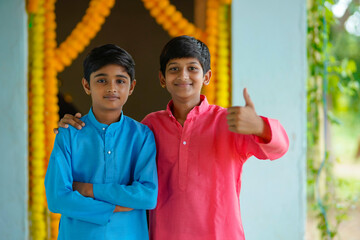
[{"x": 244, "y": 120}]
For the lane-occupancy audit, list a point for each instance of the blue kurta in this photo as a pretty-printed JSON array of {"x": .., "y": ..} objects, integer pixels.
[{"x": 119, "y": 160}]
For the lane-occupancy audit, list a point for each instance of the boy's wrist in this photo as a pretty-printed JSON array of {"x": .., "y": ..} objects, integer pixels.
[
  {"x": 85, "y": 189},
  {"x": 265, "y": 132},
  {"x": 90, "y": 190}
]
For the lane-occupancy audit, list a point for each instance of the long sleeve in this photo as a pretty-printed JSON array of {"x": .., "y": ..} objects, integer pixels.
[
  {"x": 276, "y": 148},
  {"x": 58, "y": 184},
  {"x": 142, "y": 192}
]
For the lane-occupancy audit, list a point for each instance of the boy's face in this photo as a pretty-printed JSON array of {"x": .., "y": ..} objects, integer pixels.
[
  {"x": 184, "y": 78},
  {"x": 109, "y": 88}
]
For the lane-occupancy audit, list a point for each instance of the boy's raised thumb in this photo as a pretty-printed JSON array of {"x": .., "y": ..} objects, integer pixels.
[{"x": 248, "y": 101}]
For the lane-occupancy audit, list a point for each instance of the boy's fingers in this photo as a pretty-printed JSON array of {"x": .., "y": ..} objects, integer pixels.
[
  {"x": 71, "y": 120},
  {"x": 65, "y": 122},
  {"x": 231, "y": 122},
  {"x": 69, "y": 117},
  {"x": 231, "y": 110},
  {"x": 78, "y": 121},
  {"x": 233, "y": 129},
  {"x": 76, "y": 118},
  {"x": 74, "y": 123},
  {"x": 62, "y": 124},
  {"x": 56, "y": 131}
]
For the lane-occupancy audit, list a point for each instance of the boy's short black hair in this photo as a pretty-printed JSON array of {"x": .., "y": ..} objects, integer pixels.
[
  {"x": 105, "y": 55},
  {"x": 185, "y": 47}
]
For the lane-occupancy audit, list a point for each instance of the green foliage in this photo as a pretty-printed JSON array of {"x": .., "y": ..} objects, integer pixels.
[{"x": 332, "y": 87}]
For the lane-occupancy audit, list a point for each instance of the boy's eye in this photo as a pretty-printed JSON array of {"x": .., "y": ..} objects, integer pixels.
[
  {"x": 173, "y": 69},
  {"x": 193, "y": 68},
  {"x": 120, "y": 81},
  {"x": 101, "y": 80}
]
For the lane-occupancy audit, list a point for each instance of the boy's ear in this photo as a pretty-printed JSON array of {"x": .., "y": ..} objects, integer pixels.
[
  {"x": 86, "y": 86},
  {"x": 132, "y": 86},
  {"x": 207, "y": 77},
  {"x": 162, "y": 80}
]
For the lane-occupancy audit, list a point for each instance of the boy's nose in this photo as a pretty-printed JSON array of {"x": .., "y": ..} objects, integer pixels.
[
  {"x": 111, "y": 88},
  {"x": 184, "y": 75}
]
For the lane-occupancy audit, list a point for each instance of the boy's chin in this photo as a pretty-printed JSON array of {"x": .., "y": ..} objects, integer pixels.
[
  {"x": 108, "y": 109},
  {"x": 186, "y": 95}
]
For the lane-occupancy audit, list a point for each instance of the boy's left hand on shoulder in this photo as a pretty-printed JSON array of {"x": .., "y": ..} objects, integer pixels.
[
  {"x": 85, "y": 189},
  {"x": 244, "y": 120}
]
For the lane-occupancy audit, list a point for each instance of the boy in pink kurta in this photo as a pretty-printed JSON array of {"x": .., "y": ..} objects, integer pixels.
[
  {"x": 201, "y": 150},
  {"x": 199, "y": 168}
]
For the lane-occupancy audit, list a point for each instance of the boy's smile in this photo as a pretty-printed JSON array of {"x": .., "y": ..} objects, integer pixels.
[
  {"x": 184, "y": 78},
  {"x": 112, "y": 97},
  {"x": 109, "y": 87}
]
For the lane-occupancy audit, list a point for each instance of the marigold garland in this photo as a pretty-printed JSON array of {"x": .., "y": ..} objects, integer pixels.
[
  {"x": 222, "y": 64},
  {"x": 51, "y": 99},
  {"x": 32, "y": 6},
  {"x": 171, "y": 19},
  {"x": 84, "y": 31},
  {"x": 37, "y": 205},
  {"x": 212, "y": 15},
  {"x": 45, "y": 62}
]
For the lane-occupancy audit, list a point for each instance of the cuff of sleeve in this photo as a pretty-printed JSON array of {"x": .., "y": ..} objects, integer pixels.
[
  {"x": 261, "y": 140},
  {"x": 107, "y": 217},
  {"x": 97, "y": 191},
  {"x": 279, "y": 143}
]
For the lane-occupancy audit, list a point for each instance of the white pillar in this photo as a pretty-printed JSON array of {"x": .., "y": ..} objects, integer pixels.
[
  {"x": 13, "y": 120},
  {"x": 269, "y": 58}
]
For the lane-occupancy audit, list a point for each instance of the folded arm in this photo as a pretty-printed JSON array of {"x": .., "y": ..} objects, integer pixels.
[
  {"x": 86, "y": 189},
  {"x": 59, "y": 193},
  {"x": 142, "y": 192}
]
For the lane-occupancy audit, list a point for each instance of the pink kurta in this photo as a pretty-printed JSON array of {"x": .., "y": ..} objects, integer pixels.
[{"x": 199, "y": 168}]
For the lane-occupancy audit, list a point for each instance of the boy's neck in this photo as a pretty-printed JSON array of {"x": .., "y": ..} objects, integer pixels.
[
  {"x": 107, "y": 117},
  {"x": 182, "y": 108}
]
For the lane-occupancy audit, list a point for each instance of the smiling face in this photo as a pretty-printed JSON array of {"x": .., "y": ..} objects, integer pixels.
[
  {"x": 110, "y": 87},
  {"x": 184, "y": 79}
]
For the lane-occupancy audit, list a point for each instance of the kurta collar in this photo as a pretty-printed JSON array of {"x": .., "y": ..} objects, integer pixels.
[
  {"x": 101, "y": 126},
  {"x": 196, "y": 111}
]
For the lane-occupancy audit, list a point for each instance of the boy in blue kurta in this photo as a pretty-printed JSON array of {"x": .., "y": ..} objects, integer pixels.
[{"x": 102, "y": 179}]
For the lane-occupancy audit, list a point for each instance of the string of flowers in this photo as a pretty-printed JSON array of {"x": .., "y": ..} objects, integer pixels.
[
  {"x": 46, "y": 60},
  {"x": 51, "y": 99},
  {"x": 212, "y": 26},
  {"x": 37, "y": 204},
  {"x": 32, "y": 6},
  {"x": 171, "y": 19},
  {"x": 228, "y": 2},
  {"x": 222, "y": 64},
  {"x": 84, "y": 31}
]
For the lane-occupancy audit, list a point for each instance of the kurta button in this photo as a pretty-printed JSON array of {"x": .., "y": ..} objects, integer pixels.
[
  {"x": 104, "y": 129},
  {"x": 184, "y": 142},
  {"x": 109, "y": 152}
]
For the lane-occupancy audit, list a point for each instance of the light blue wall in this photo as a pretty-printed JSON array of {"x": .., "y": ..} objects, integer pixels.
[
  {"x": 13, "y": 120},
  {"x": 269, "y": 58}
]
